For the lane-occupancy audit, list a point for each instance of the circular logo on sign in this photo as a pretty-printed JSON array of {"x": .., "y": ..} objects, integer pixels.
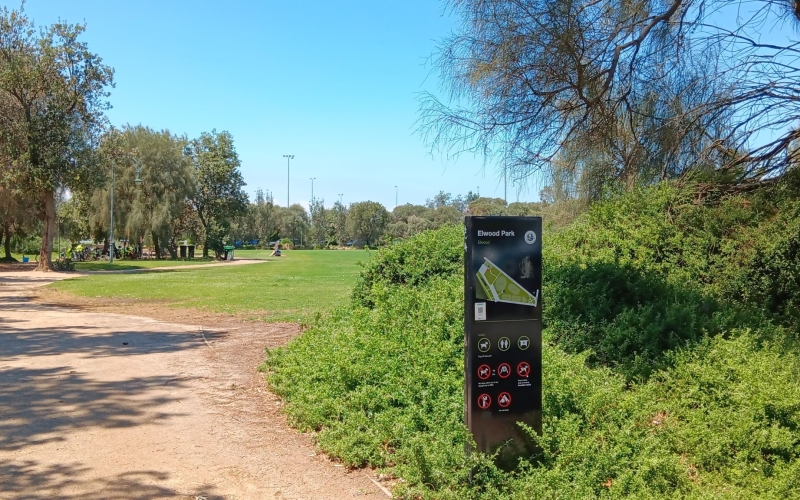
[
  {"x": 484, "y": 401},
  {"x": 504, "y": 370},
  {"x": 484, "y": 372},
  {"x": 523, "y": 369},
  {"x": 530, "y": 237},
  {"x": 504, "y": 344}
]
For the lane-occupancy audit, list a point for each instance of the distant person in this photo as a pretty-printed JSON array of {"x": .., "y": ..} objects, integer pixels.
[{"x": 277, "y": 251}]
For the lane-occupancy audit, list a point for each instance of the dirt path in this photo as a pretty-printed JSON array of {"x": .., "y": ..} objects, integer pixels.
[{"x": 109, "y": 406}]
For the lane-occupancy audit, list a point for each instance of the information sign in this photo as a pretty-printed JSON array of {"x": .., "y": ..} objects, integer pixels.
[{"x": 503, "y": 331}]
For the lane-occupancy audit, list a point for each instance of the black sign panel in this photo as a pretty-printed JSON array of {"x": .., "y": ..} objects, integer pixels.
[{"x": 503, "y": 329}]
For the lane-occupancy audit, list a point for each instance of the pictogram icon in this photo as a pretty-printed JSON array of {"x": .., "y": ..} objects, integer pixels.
[
  {"x": 504, "y": 344},
  {"x": 504, "y": 400},
  {"x": 484, "y": 401},
  {"x": 484, "y": 345},
  {"x": 523, "y": 343},
  {"x": 484, "y": 372},
  {"x": 504, "y": 370},
  {"x": 523, "y": 369}
]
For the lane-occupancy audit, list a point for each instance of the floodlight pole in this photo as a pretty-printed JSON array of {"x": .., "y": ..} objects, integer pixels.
[
  {"x": 312, "y": 189},
  {"x": 340, "y": 198},
  {"x": 288, "y": 157},
  {"x": 395, "y": 196}
]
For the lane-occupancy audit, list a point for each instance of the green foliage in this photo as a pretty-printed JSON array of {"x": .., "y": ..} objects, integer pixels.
[
  {"x": 52, "y": 99},
  {"x": 658, "y": 382},
  {"x": 219, "y": 197},
  {"x": 367, "y": 221},
  {"x": 154, "y": 206},
  {"x": 63, "y": 264},
  {"x": 413, "y": 263}
]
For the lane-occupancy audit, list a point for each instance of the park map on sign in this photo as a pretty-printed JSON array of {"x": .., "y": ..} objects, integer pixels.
[{"x": 497, "y": 286}]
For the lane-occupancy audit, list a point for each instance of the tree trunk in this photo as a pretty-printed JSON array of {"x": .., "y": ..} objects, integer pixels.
[
  {"x": 49, "y": 231},
  {"x": 173, "y": 250},
  {"x": 5, "y": 235},
  {"x": 156, "y": 245}
]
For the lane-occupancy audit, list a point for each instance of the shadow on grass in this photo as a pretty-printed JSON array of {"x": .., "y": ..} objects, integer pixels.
[{"x": 631, "y": 319}]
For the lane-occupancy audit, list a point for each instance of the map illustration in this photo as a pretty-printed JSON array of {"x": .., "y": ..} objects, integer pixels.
[{"x": 497, "y": 286}]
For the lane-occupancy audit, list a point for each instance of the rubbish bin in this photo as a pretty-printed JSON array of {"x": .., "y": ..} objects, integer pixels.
[
  {"x": 184, "y": 251},
  {"x": 228, "y": 252}
]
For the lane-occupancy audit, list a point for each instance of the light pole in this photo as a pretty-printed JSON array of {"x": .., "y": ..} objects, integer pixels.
[
  {"x": 340, "y": 198},
  {"x": 395, "y": 196},
  {"x": 288, "y": 157},
  {"x": 312, "y": 189}
]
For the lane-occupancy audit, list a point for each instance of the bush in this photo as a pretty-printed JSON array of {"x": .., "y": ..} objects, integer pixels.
[
  {"x": 656, "y": 385},
  {"x": 287, "y": 244},
  {"x": 63, "y": 264},
  {"x": 413, "y": 262}
]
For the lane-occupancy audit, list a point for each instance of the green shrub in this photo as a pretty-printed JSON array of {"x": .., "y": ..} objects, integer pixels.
[
  {"x": 63, "y": 264},
  {"x": 413, "y": 262},
  {"x": 659, "y": 382}
]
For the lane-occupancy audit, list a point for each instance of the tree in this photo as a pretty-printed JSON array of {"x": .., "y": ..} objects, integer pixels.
[
  {"x": 219, "y": 197},
  {"x": 337, "y": 224},
  {"x": 631, "y": 91},
  {"x": 292, "y": 222},
  {"x": 153, "y": 206},
  {"x": 445, "y": 215},
  {"x": 17, "y": 217},
  {"x": 367, "y": 221},
  {"x": 319, "y": 222},
  {"x": 488, "y": 206},
  {"x": 52, "y": 90},
  {"x": 262, "y": 216}
]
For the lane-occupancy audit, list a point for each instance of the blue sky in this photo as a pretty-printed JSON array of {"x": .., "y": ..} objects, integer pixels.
[{"x": 334, "y": 83}]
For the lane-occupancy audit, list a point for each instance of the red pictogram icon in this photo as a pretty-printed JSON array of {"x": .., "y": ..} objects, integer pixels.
[
  {"x": 484, "y": 372},
  {"x": 504, "y": 399},
  {"x": 484, "y": 401},
  {"x": 523, "y": 369},
  {"x": 504, "y": 370}
]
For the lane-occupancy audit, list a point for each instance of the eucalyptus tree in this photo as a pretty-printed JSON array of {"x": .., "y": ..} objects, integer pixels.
[
  {"x": 631, "y": 90},
  {"x": 219, "y": 197},
  {"x": 53, "y": 92}
]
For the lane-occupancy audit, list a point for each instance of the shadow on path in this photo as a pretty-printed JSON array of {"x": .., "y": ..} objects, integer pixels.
[
  {"x": 41, "y": 405},
  {"x": 30, "y": 480}
]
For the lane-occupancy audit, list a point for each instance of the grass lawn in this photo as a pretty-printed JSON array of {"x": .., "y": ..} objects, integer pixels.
[{"x": 290, "y": 288}]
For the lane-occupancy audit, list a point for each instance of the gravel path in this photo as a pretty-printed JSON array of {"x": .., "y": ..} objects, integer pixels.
[{"x": 110, "y": 406}]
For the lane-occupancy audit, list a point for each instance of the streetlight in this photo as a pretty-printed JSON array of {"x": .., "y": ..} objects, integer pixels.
[
  {"x": 312, "y": 189},
  {"x": 395, "y": 197},
  {"x": 288, "y": 157}
]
